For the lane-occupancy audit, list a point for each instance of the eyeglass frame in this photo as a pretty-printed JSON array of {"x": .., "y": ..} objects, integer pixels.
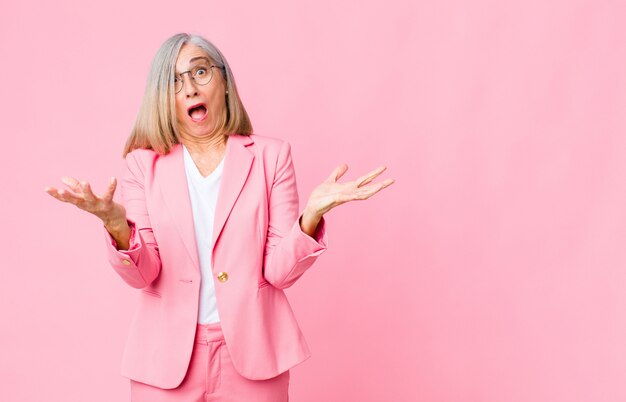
[{"x": 192, "y": 77}]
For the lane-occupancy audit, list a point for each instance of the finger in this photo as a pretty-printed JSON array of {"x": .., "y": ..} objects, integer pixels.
[
  {"x": 366, "y": 192},
  {"x": 72, "y": 183},
  {"x": 87, "y": 193},
  {"x": 69, "y": 193},
  {"x": 50, "y": 190},
  {"x": 64, "y": 195},
  {"x": 367, "y": 178},
  {"x": 108, "y": 195},
  {"x": 387, "y": 183},
  {"x": 376, "y": 188},
  {"x": 338, "y": 172}
]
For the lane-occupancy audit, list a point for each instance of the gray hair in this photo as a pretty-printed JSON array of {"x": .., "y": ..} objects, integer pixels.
[{"x": 156, "y": 127}]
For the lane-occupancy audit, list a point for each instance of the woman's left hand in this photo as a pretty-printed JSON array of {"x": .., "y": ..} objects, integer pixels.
[{"x": 330, "y": 194}]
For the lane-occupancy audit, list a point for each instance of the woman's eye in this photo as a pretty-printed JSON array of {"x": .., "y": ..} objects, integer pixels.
[{"x": 201, "y": 70}]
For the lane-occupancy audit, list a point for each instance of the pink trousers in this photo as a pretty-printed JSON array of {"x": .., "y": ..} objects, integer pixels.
[{"x": 212, "y": 377}]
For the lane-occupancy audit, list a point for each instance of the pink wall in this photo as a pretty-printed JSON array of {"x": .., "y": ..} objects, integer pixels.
[{"x": 492, "y": 270}]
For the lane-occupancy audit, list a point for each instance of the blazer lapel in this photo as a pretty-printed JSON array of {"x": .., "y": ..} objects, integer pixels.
[
  {"x": 237, "y": 166},
  {"x": 172, "y": 179}
]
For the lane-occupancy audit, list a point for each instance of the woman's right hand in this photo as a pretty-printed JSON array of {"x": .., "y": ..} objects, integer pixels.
[{"x": 80, "y": 194}]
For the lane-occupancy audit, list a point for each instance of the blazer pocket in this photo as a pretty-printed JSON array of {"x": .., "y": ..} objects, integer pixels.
[{"x": 151, "y": 292}]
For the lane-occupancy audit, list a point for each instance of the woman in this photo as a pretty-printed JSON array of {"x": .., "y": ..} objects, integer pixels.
[{"x": 210, "y": 231}]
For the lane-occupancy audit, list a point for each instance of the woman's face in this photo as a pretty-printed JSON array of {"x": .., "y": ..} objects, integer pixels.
[{"x": 198, "y": 122}]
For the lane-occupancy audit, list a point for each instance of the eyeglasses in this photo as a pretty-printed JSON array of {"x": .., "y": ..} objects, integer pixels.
[{"x": 200, "y": 74}]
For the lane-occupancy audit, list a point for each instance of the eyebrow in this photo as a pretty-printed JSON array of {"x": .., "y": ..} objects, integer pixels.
[{"x": 194, "y": 59}]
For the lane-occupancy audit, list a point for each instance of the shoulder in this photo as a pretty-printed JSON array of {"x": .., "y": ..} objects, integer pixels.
[
  {"x": 272, "y": 148},
  {"x": 142, "y": 154},
  {"x": 266, "y": 141},
  {"x": 141, "y": 159}
]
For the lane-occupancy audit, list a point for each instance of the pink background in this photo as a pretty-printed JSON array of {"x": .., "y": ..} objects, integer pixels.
[{"x": 492, "y": 270}]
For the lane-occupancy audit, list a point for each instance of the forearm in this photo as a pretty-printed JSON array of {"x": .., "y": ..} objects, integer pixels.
[
  {"x": 120, "y": 231},
  {"x": 309, "y": 222}
]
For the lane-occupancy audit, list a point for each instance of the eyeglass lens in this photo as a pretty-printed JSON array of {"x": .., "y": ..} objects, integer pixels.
[{"x": 200, "y": 73}]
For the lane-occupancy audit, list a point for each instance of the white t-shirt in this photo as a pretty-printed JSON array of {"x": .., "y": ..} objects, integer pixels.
[{"x": 203, "y": 193}]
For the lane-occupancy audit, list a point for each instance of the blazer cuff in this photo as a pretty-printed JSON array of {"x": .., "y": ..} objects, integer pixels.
[{"x": 311, "y": 245}]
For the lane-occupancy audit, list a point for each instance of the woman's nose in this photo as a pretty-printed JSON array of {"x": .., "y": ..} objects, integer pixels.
[{"x": 190, "y": 86}]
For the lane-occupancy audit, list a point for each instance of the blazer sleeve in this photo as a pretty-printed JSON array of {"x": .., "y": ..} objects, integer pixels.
[
  {"x": 140, "y": 264},
  {"x": 289, "y": 252}
]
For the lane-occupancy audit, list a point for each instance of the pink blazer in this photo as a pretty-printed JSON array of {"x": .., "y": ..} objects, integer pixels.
[{"x": 259, "y": 250}]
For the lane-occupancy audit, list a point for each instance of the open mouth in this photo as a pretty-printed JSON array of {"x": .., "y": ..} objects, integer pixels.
[{"x": 197, "y": 112}]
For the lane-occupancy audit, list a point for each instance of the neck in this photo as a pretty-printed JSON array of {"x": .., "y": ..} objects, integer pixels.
[{"x": 204, "y": 145}]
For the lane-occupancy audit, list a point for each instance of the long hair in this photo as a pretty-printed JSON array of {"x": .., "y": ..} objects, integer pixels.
[{"x": 156, "y": 127}]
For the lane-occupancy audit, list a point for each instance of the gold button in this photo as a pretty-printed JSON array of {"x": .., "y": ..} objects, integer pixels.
[
  {"x": 125, "y": 262},
  {"x": 222, "y": 276}
]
